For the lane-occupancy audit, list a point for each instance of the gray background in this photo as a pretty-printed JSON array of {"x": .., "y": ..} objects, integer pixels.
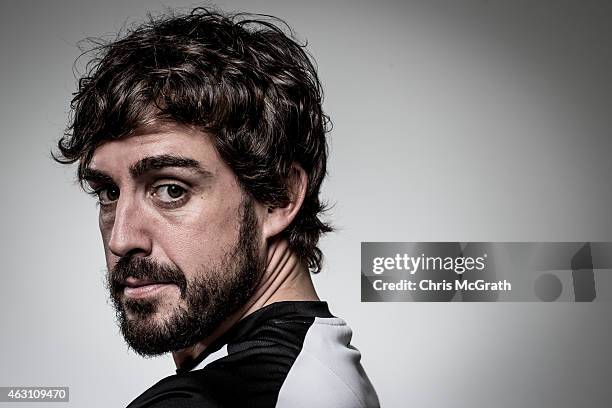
[{"x": 454, "y": 121}]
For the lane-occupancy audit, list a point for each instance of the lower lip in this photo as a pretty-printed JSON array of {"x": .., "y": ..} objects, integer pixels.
[{"x": 145, "y": 290}]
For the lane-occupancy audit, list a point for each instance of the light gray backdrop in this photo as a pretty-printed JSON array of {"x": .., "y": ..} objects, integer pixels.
[{"x": 454, "y": 121}]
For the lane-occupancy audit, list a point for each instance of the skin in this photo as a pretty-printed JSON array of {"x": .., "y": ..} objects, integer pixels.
[{"x": 192, "y": 224}]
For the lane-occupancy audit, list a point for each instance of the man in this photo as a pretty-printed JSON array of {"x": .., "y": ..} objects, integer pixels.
[{"x": 203, "y": 138}]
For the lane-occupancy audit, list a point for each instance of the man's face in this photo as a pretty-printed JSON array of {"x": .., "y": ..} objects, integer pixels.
[{"x": 182, "y": 240}]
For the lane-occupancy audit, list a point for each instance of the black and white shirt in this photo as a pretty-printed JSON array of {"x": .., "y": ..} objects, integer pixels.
[{"x": 287, "y": 354}]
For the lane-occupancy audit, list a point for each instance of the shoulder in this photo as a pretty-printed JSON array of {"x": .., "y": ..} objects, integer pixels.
[
  {"x": 328, "y": 372},
  {"x": 180, "y": 391},
  {"x": 288, "y": 355}
]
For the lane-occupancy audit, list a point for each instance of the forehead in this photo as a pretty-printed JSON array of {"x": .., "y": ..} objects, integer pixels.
[{"x": 176, "y": 140}]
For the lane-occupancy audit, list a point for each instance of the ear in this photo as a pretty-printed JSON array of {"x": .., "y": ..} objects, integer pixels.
[{"x": 276, "y": 219}]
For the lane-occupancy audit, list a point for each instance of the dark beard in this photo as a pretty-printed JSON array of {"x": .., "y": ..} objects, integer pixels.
[{"x": 210, "y": 298}]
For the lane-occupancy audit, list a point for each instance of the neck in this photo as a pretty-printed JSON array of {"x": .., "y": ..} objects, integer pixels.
[{"x": 285, "y": 278}]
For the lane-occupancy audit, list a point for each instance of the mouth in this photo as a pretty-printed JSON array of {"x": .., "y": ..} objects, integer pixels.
[{"x": 139, "y": 288}]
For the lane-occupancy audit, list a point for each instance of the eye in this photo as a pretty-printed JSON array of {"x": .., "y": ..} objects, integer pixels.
[
  {"x": 108, "y": 195},
  {"x": 169, "y": 193}
]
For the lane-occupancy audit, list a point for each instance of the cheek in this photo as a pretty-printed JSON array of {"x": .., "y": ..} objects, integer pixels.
[
  {"x": 106, "y": 229},
  {"x": 105, "y": 223},
  {"x": 201, "y": 239}
]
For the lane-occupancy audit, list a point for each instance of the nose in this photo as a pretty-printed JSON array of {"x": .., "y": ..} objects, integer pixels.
[{"x": 129, "y": 233}]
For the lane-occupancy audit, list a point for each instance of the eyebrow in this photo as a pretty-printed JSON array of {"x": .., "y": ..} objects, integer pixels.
[
  {"x": 163, "y": 161},
  {"x": 145, "y": 165},
  {"x": 97, "y": 176}
]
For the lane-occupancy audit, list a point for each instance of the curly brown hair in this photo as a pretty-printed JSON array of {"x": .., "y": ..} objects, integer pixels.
[{"x": 239, "y": 77}]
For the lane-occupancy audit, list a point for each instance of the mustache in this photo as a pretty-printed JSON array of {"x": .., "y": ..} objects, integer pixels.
[{"x": 144, "y": 269}]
